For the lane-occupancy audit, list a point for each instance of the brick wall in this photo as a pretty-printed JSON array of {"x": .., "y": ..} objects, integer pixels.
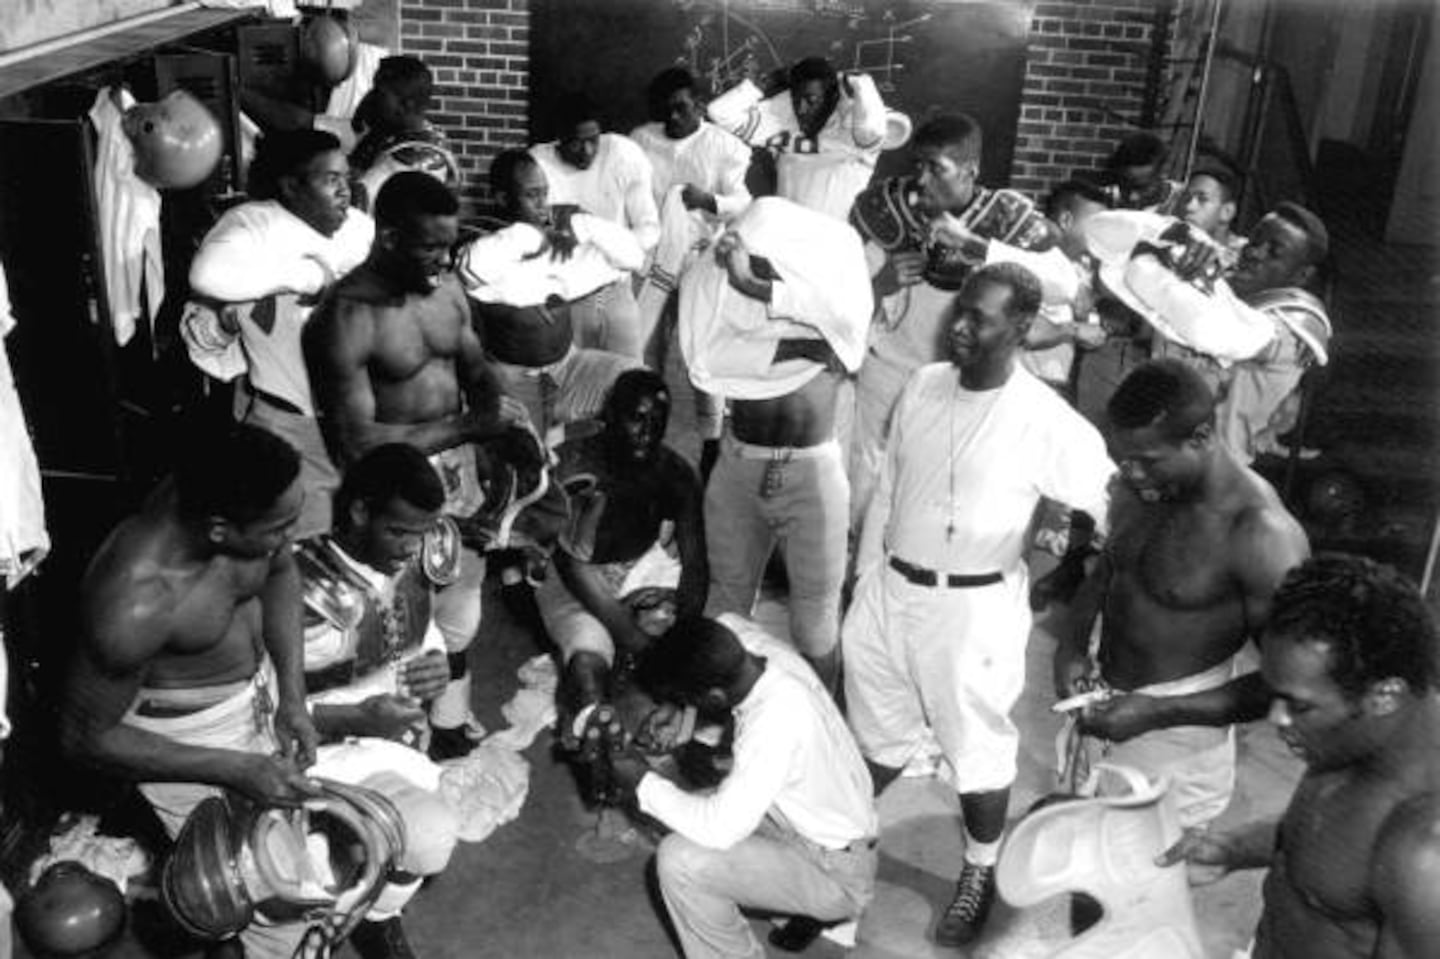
[
  {"x": 1084, "y": 80},
  {"x": 480, "y": 54},
  {"x": 1084, "y": 88}
]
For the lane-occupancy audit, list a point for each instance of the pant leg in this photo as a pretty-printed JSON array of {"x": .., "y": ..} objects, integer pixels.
[
  {"x": 318, "y": 475},
  {"x": 811, "y": 513},
  {"x": 583, "y": 380},
  {"x": 457, "y": 616},
  {"x": 608, "y": 319},
  {"x": 738, "y": 537},
  {"x": 705, "y": 888},
  {"x": 882, "y": 701}
]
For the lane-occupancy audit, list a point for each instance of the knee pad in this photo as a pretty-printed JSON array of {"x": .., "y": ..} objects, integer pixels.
[{"x": 1105, "y": 848}]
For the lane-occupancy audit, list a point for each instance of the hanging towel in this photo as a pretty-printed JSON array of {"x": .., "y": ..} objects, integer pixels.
[
  {"x": 129, "y": 212},
  {"x": 23, "y": 540}
]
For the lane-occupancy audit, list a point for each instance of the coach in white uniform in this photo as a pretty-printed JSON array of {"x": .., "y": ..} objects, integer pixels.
[{"x": 936, "y": 636}]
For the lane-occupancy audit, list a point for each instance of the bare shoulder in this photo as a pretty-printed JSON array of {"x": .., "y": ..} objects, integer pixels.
[
  {"x": 128, "y": 598},
  {"x": 1405, "y": 878},
  {"x": 1267, "y": 540}
]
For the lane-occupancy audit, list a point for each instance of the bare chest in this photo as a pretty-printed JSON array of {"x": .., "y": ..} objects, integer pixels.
[
  {"x": 1327, "y": 841},
  {"x": 419, "y": 332},
  {"x": 1178, "y": 558}
]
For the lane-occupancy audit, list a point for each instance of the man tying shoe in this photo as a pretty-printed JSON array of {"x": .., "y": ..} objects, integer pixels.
[
  {"x": 1197, "y": 547},
  {"x": 791, "y": 829},
  {"x": 934, "y": 642},
  {"x": 1350, "y": 652},
  {"x": 188, "y": 673},
  {"x": 394, "y": 359}
]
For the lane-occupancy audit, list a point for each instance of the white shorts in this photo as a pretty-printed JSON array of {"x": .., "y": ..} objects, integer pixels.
[{"x": 949, "y": 659}]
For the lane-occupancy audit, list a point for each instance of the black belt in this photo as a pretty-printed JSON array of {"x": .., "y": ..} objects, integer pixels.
[
  {"x": 928, "y": 577},
  {"x": 278, "y": 402}
]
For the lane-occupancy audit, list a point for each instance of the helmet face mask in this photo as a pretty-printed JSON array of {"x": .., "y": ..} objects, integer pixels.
[{"x": 234, "y": 859}]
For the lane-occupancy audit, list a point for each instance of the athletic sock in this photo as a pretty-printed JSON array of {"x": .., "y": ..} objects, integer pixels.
[{"x": 981, "y": 853}]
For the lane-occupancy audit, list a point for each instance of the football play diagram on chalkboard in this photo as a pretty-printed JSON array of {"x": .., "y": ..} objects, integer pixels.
[{"x": 725, "y": 47}]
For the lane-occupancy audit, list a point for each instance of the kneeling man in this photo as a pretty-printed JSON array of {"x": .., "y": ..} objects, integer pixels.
[{"x": 792, "y": 828}]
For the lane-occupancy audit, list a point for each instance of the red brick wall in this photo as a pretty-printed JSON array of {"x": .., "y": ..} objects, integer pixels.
[
  {"x": 1084, "y": 86},
  {"x": 480, "y": 54},
  {"x": 1084, "y": 80}
]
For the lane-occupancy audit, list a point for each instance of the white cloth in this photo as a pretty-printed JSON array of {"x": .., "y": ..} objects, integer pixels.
[
  {"x": 514, "y": 266},
  {"x": 824, "y": 172},
  {"x": 711, "y": 159},
  {"x": 129, "y": 215},
  {"x": 23, "y": 538},
  {"x": 345, "y": 96},
  {"x": 823, "y": 291},
  {"x": 794, "y": 760},
  {"x": 1214, "y": 322},
  {"x": 976, "y": 464},
  {"x": 259, "y": 250},
  {"x": 616, "y": 185}
]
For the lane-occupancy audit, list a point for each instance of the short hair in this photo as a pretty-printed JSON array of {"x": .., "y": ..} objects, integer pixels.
[
  {"x": 572, "y": 109},
  {"x": 1316, "y": 234},
  {"x": 235, "y": 471},
  {"x": 410, "y": 194},
  {"x": 1371, "y": 619},
  {"x": 407, "y": 76},
  {"x": 1024, "y": 286},
  {"x": 1226, "y": 178},
  {"x": 1138, "y": 149},
  {"x": 957, "y": 133},
  {"x": 390, "y": 472},
  {"x": 1166, "y": 395},
  {"x": 666, "y": 84},
  {"x": 1063, "y": 195},
  {"x": 628, "y": 387},
  {"x": 697, "y": 654},
  {"x": 506, "y": 166},
  {"x": 813, "y": 68},
  {"x": 283, "y": 153}
]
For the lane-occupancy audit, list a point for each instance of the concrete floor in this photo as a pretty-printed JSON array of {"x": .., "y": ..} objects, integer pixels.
[{"x": 537, "y": 886}]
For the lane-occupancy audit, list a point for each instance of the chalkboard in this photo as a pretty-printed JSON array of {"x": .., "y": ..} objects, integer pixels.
[{"x": 927, "y": 56}]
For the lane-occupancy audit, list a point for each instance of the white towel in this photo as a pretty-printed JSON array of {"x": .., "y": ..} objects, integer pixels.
[
  {"x": 129, "y": 212},
  {"x": 23, "y": 539}
]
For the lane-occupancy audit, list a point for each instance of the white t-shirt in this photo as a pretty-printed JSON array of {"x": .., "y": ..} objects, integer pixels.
[
  {"x": 615, "y": 186},
  {"x": 710, "y": 158},
  {"x": 964, "y": 471},
  {"x": 824, "y": 172}
]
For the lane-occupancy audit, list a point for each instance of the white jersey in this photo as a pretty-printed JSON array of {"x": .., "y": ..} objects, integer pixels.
[
  {"x": 615, "y": 186},
  {"x": 964, "y": 471},
  {"x": 823, "y": 172},
  {"x": 710, "y": 158},
  {"x": 261, "y": 251}
]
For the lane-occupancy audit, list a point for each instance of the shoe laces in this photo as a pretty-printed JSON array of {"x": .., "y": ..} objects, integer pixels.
[{"x": 972, "y": 892}]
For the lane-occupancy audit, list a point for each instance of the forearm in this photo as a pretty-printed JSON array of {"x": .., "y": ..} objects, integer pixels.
[
  {"x": 284, "y": 635},
  {"x": 1044, "y": 334},
  {"x": 1252, "y": 846},
  {"x": 1241, "y": 700},
  {"x": 428, "y": 437},
  {"x": 594, "y": 595},
  {"x": 235, "y": 270},
  {"x": 336, "y": 720},
  {"x": 143, "y": 756}
]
